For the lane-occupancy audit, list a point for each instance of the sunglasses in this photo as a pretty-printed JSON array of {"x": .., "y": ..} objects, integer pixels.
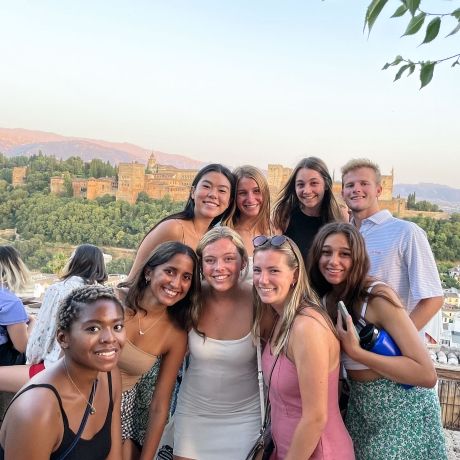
[{"x": 276, "y": 241}]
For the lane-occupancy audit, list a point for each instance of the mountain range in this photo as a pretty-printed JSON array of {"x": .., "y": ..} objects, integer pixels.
[{"x": 14, "y": 142}]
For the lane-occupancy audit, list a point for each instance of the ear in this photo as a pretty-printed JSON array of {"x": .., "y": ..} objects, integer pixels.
[
  {"x": 295, "y": 277},
  {"x": 379, "y": 190},
  {"x": 192, "y": 192},
  {"x": 63, "y": 339}
]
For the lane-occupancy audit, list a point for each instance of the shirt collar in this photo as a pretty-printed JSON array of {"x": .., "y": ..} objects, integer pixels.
[{"x": 377, "y": 218}]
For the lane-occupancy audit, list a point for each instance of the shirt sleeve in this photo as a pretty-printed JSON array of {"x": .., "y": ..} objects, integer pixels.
[{"x": 12, "y": 310}]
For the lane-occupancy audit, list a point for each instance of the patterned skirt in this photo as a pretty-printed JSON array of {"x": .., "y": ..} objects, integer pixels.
[{"x": 388, "y": 422}]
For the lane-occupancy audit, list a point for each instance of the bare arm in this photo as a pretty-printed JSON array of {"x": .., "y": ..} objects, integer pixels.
[
  {"x": 425, "y": 310},
  {"x": 159, "y": 407},
  {"x": 310, "y": 346},
  {"x": 115, "y": 450},
  {"x": 169, "y": 230},
  {"x": 33, "y": 426},
  {"x": 413, "y": 367},
  {"x": 19, "y": 334}
]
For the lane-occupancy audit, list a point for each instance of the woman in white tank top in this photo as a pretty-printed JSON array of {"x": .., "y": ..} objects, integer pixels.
[{"x": 218, "y": 410}]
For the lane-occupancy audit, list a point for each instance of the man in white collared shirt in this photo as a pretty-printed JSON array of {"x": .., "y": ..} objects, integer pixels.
[{"x": 398, "y": 250}]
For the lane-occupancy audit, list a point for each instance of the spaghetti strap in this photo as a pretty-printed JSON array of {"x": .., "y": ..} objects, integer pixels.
[
  {"x": 179, "y": 221},
  {"x": 43, "y": 385}
]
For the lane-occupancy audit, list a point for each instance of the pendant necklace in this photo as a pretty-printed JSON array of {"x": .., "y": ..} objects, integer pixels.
[
  {"x": 92, "y": 409},
  {"x": 141, "y": 332}
]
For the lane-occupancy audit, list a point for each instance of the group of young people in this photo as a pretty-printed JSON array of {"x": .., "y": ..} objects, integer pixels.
[{"x": 219, "y": 294}]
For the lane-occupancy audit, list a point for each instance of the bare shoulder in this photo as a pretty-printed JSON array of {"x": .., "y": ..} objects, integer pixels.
[
  {"x": 169, "y": 230},
  {"x": 384, "y": 295},
  {"x": 176, "y": 337}
]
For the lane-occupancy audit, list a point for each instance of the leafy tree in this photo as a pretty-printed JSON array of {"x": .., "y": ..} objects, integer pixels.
[
  {"x": 120, "y": 266},
  {"x": 417, "y": 17}
]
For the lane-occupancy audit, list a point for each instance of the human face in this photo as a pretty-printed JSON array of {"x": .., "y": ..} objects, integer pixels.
[
  {"x": 211, "y": 195},
  {"x": 169, "y": 282},
  {"x": 221, "y": 264},
  {"x": 95, "y": 339},
  {"x": 273, "y": 277},
  {"x": 361, "y": 191},
  {"x": 335, "y": 262},
  {"x": 248, "y": 197},
  {"x": 310, "y": 188}
]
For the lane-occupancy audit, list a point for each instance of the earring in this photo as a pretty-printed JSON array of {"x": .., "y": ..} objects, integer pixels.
[
  {"x": 292, "y": 285},
  {"x": 147, "y": 279}
]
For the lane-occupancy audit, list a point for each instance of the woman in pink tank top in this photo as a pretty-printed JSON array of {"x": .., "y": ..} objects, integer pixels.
[{"x": 301, "y": 359}]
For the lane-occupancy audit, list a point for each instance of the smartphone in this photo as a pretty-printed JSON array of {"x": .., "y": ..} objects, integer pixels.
[{"x": 344, "y": 312}]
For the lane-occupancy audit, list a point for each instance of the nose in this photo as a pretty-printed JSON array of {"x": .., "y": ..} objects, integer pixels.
[
  {"x": 107, "y": 335},
  {"x": 212, "y": 192},
  {"x": 262, "y": 278},
  {"x": 175, "y": 281},
  {"x": 334, "y": 259}
]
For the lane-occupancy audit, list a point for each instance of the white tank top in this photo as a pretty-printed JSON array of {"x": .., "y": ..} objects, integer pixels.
[{"x": 221, "y": 377}]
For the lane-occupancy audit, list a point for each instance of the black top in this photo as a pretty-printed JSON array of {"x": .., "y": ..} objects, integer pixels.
[
  {"x": 302, "y": 229},
  {"x": 96, "y": 448}
]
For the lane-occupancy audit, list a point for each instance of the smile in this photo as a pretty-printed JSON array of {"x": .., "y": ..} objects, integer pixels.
[
  {"x": 107, "y": 354},
  {"x": 170, "y": 292}
]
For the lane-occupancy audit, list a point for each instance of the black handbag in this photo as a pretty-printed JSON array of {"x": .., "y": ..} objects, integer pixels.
[
  {"x": 264, "y": 446},
  {"x": 9, "y": 356}
]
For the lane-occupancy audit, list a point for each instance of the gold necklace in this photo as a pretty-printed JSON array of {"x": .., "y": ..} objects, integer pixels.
[
  {"x": 141, "y": 332},
  {"x": 92, "y": 409}
]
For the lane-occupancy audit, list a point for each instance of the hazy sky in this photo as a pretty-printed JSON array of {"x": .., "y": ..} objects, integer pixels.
[{"x": 237, "y": 81}]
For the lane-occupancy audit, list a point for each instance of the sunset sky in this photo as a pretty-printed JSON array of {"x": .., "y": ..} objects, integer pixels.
[{"x": 237, "y": 81}]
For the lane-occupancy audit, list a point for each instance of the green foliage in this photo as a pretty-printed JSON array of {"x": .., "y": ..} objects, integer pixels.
[
  {"x": 120, "y": 266},
  {"x": 56, "y": 263},
  {"x": 417, "y": 18},
  {"x": 443, "y": 236},
  {"x": 421, "y": 205}
]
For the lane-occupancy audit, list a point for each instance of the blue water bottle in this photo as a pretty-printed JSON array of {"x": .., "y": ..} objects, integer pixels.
[{"x": 378, "y": 341}]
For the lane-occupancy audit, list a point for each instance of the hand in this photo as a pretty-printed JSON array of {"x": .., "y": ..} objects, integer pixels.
[{"x": 348, "y": 338}]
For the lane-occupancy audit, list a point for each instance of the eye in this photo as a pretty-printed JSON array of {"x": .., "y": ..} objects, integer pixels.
[
  {"x": 229, "y": 259},
  {"x": 205, "y": 185},
  {"x": 188, "y": 277},
  {"x": 256, "y": 270},
  {"x": 208, "y": 261},
  {"x": 93, "y": 329},
  {"x": 223, "y": 190},
  {"x": 345, "y": 254},
  {"x": 119, "y": 327},
  {"x": 274, "y": 270},
  {"x": 325, "y": 252},
  {"x": 169, "y": 271},
  {"x": 242, "y": 192}
]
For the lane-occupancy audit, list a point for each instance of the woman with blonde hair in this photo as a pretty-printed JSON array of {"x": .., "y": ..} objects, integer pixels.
[
  {"x": 301, "y": 359},
  {"x": 218, "y": 409},
  {"x": 306, "y": 203},
  {"x": 250, "y": 215},
  {"x": 15, "y": 324}
]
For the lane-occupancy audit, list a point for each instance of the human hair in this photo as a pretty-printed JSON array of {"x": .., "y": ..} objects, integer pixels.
[
  {"x": 262, "y": 222},
  {"x": 75, "y": 302},
  {"x": 358, "y": 280},
  {"x": 357, "y": 163},
  {"x": 287, "y": 199},
  {"x": 13, "y": 271},
  {"x": 301, "y": 296},
  {"x": 179, "y": 313},
  {"x": 188, "y": 213},
  {"x": 87, "y": 261},
  {"x": 211, "y": 236}
]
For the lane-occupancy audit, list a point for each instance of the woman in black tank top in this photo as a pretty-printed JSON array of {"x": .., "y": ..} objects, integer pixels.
[{"x": 72, "y": 409}]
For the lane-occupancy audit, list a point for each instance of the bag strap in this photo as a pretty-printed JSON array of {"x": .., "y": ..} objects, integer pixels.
[
  {"x": 82, "y": 424},
  {"x": 260, "y": 377},
  {"x": 266, "y": 419}
]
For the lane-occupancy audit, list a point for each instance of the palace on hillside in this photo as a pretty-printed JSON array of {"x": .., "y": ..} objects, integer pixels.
[{"x": 159, "y": 181}]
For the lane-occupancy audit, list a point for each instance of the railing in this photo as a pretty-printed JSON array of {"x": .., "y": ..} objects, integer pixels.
[{"x": 449, "y": 398}]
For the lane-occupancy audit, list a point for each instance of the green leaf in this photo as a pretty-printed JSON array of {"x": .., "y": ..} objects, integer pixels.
[
  {"x": 432, "y": 30},
  {"x": 454, "y": 31},
  {"x": 401, "y": 70},
  {"x": 385, "y": 67},
  {"x": 455, "y": 63},
  {"x": 373, "y": 10},
  {"x": 426, "y": 73},
  {"x": 411, "y": 69},
  {"x": 456, "y": 14},
  {"x": 412, "y": 5},
  {"x": 400, "y": 11},
  {"x": 415, "y": 24},
  {"x": 397, "y": 60}
]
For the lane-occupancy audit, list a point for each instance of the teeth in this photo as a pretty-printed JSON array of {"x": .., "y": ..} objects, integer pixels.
[
  {"x": 220, "y": 277},
  {"x": 170, "y": 292},
  {"x": 106, "y": 353}
]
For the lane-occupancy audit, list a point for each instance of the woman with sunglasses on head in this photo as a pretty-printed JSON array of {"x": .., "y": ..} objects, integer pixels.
[
  {"x": 218, "y": 409},
  {"x": 306, "y": 203},
  {"x": 210, "y": 201},
  {"x": 384, "y": 418},
  {"x": 250, "y": 215},
  {"x": 72, "y": 409},
  {"x": 301, "y": 360},
  {"x": 158, "y": 306}
]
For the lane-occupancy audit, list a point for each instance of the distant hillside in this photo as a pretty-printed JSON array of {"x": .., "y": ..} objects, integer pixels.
[
  {"x": 446, "y": 197},
  {"x": 14, "y": 142}
]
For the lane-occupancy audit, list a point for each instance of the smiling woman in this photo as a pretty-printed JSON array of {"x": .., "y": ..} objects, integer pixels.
[
  {"x": 158, "y": 306},
  {"x": 83, "y": 383}
]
